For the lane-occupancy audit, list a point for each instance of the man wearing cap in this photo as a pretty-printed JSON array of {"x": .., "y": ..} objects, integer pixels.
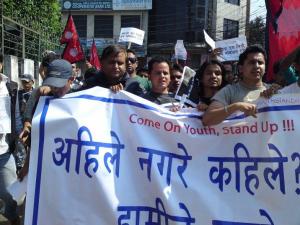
[
  {"x": 58, "y": 80},
  {"x": 59, "y": 77},
  {"x": 8, "y": 137},
  {"x": 24, "y": 94},
  {"x": 23, "y": 97}
]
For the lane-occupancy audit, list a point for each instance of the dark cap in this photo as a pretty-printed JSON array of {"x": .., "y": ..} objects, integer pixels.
[
  {"x": 27, "y": 77},
  {"x": 58, "y": 73}
]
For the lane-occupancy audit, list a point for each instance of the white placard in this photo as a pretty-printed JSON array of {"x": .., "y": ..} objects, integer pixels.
[
  {"x": 180, "y": 51},
  {"x": 131, "y": 34},
  {"x": 232, "y": 48},
  {"x": 5, "y": 115},
  {"x": 185, "y": 87},
  {"x": 18, "y": 190},
  {"x": 209, "y": 40}
]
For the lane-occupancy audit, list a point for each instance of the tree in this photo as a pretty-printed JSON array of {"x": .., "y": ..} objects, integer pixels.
[
  {"x": 40, "y": 15},
  {"x": 36, "y": 27},
  {"x": 257, "y": 29}
]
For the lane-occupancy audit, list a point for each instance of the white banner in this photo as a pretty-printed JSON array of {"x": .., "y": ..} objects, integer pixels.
[
  {"x": 104, "y": 158},
  {"x": 131, "y": 34}
]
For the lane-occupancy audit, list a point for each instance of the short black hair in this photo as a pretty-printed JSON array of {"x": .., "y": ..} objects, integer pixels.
[
  {"x": 112, "y": 50},
  {"x": 48, "y": 57},
  {"x": 177, "y": 67},
  {"x": 131, "y": 51},
  {"x": 142, "y": 69},
  {"x": 249, "y": 50},
  {"x": 297, "y": 58},
  {"x": 200, "y": 71},
  {"x": 157, "y": 59},
  {"x": 1, "y": 58},
  {"x": 91, "y": 72},
  {"x": 276, "y": 66}
]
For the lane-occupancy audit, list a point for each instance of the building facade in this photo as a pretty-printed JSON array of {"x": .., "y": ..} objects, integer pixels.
[
  {"x": 102, "y": 20},
  {"x": 172, "y": 20},
  {"x": 231, "y": 18},
  {"x": 164, "y": 22}
]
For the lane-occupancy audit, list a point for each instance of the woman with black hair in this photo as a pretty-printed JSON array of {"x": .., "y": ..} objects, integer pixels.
[{"x": 209, "y": 79}]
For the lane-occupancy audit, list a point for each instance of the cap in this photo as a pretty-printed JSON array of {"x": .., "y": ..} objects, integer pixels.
[
  {"x": 58, "y": 73},
  {"x": 27, "y": 77}
]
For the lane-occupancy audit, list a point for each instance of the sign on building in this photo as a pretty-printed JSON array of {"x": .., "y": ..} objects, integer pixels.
[
  {"x": 132, "y": 4},
  {"x": 87, "y": 5}
]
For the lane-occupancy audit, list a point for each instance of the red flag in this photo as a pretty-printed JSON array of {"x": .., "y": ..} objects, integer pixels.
[
  {"x": 94, "y": 59},
  {"x": 69, "y": 31},
  {"x": 73, "y": 51},
  {"x": 283, "y": 28}
]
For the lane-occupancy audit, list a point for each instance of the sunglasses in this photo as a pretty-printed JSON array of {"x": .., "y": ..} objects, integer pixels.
[{"x": 132, "y": 60}]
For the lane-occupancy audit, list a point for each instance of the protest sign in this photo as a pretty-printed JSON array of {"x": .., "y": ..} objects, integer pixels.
[
  {"x": 209, "y": 40},
  {"x": 119, "y": 159},
  {"x": 232, "y": 48},
  {"x": 180, "y": 51},
  {"x": 185, "y": 87},
  {"x": 132, "y": 35}
]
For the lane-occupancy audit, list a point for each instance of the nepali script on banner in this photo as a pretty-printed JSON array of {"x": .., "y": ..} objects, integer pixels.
[{"x": 104, "y": 158}]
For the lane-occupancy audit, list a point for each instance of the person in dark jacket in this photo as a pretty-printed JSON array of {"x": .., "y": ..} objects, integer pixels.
[{"x": 113, "y": 71}]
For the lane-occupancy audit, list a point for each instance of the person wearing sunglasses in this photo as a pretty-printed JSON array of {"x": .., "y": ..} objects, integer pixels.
[{"x": 136, "y": 84}]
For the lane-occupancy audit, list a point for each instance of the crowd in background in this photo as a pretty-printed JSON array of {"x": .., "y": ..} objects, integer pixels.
[{"x": 219, "y": 89}]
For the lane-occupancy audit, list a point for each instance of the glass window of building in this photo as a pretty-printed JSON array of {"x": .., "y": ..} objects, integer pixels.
[
  {"x": 200, "y": 12},
  {"x": 81, "y": 24},
  {"x": 234, "y": 2},
  {"x": 131, "y": 21},
  {"x": 201, "y": 2},
  {"x": 103, "y": 26},
  {"x": 230, "y": 29}
]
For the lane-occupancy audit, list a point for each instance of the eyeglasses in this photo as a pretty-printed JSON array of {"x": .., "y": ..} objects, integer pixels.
[{"x": 132, "y": 60}]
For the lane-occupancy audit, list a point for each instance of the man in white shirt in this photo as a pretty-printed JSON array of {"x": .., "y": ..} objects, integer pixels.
[
  {"x": 8, "y": 137},
  {"x": 239, "y": 96}
]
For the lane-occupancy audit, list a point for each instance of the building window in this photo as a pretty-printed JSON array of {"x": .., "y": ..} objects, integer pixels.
[
  {"x": 81, "y": 25},
  {"x": 230, "y": 29},
  {"x": 131, "y": 21},
  {"x": 200, "y": 12},
  {"x": 103, "y": 26},
  {"x": 234, "y": 2},
  {"x": 201, "y": 2}
]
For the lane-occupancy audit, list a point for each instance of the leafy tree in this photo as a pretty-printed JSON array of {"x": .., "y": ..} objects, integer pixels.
[
  {"x": 257, "y": 29},
  {"x": 42, "y": 17}
]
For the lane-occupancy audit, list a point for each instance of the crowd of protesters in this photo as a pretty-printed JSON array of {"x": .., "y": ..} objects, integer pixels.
[{"x": 215, "y": 90}]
